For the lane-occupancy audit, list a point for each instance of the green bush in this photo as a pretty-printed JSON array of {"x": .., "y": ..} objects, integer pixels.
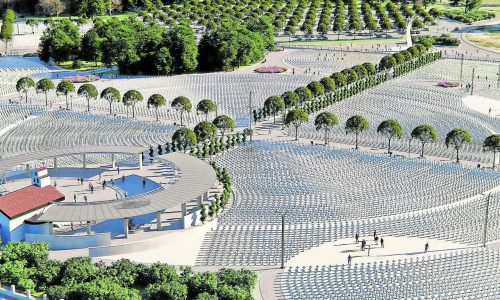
[
  {"x": 443, "y": 40},
  {"x": 470, "y": 16}
]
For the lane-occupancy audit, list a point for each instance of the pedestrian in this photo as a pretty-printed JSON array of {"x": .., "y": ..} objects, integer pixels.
[
  {"x": 74, "y": 197},
  {"x": 489, "y": 111},
  {"x": 85, "y": 198},
  {"x": 104, "y": 184},
  {"x": 426, "y": 247},
  {"x": 349, "y": 259},
  {"x": 374, "y": 234},
  {"x": 92, "y": 189},
  {"x": 90, "y": 186},
  {"x": 116, "y": 194},
  {"x": 376, "y": 240},
  {"x": 363, "y": 244},
  {"x": 144, "y": 183},
  {"x": 356, "y": 237},
  {"x": 118, "y": 170},
  {"x": 112, "y": 182},
  {"x": 123, "y": 178},
  {"x": 382, "y": 242},
  {"x": 99, "y": 176},
  {"x": 369, "y": 250}
]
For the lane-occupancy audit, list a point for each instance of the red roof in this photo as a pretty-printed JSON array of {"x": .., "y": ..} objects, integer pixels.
[{"x": 28, "y": 199}]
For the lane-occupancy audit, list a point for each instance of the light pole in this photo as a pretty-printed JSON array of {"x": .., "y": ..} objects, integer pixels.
[
  {"x": 409, "y": 146},
  {"x": 485, "y": 233},
  {"x": 250, "y": 116},
  {"x": 472, "y": 86},
  {"x": 282, "y": 214},
  {"x": 461, "y": 68}
]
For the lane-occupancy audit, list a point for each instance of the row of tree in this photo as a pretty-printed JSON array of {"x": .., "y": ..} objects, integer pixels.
[
  {"x": 6, "y": 29},
  {"x": 139, "y": 48},
  {"x": 391, "y": 129},
  {"x": 27, "y": 266}
]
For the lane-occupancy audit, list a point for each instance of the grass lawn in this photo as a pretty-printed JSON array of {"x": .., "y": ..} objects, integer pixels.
[
  {"x": 485, "y": 39},
  {"x": 487, "y": 5},
  {"x": 86, "y": 65},
  {"x": 344, "y": 42}
]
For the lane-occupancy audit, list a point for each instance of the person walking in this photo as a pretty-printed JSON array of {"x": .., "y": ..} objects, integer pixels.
[
  {"x": 369, "y": 250},
  {"x": 85, "y": 198},
  {"x": 363, "y": 244},
  {"x": 74, "y": 197},
  {"x": 374, "y": 234},
  {"x": 143, "y": 183},
  {"x": 376, "y": 240},
  {"x": 426, "y": 247},
  {"x": 118, "y": 170},
  {"x": 349, "y": 259},
  {"x": 123, "y": 178},
  {"x": 382, "y": 242},
  {"x": 356, "y": 237}
]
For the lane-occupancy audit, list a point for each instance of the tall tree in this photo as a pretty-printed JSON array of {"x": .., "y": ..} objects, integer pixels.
[
  {"x": 88, "y": 91},
  {"x": 291, "y": 99},
  {"x": 60, "y": 41},
  {"x": 111, "y": 95},
  {"x": 356, "y": 124},
  {"x": 50, "y": 7},
  {"x": 457, "y": 138},
  {"x": 182, "y": 105},
  {"x": 156, "y": 101},
  {"x": 65, "y": 87},
  {"x": 45, "y": 86},
  {"x": 205, "y": 107},
  {"x": 131, "y": 98},
  {"x": 339, "y": 23},
  {"x": 181, "y": 42},
  {"x": 275, "y": 104},
  {"x": 492, "y": 144},
  {"x": 23, "y": 85},
  {"x": 185, "y": 137},
  {"x": 326, "y": 121},
  {"x": 390, "y": 129},
  {"x": 296, "y": 118},
  {"x": 223, "y": 123},
  {"x": 425, "y": 134},
  {"x": 472, "y": 4}
]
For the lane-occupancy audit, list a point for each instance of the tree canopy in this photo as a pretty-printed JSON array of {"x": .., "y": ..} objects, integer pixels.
[
  {"x": 356, "y": 124},
  {"x": 296, "y": 118},
  {"x": 223, "y": 123},
  {"x": 425, "y": 134},
  {"x": 390, "y": 129},
  {"x": 326, "y": 121}
]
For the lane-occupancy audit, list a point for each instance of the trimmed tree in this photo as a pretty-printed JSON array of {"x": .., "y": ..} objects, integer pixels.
[
  {"x": 111, "y": 95},
  {"x": 296, "y": 118},
  {"x": 65, "y": 87},
  {"x": 275, "y": 104},
  {"x": 316, "y": 88},
  {"x": 185, "y": 137},
  {"x": 425, "y": 134},
  {"x": 88, "y": 91},
  {"x": 492, "y": 144},
  {"x": 206, "y": 106},
  {"x": 44, "y": 86},
  {"x": 156, "y": 100},
  {"x": 291, "y": 99},
  {"x": 356, "y": 124},
  {"x": 326, "y": 121},
  {"x": 182, "y": 105},
  {"x": 223, "y": 123},
  {"x": 328, "y": 84},
  {"x": 304, "y": 94},
  {"x": 390, "y": 129},
  {"x": 130, "y": 98},
  {"x": 205, "y": 131},
  {"x": 456, "y": 138},
  {"x": 23, "y": 85}
]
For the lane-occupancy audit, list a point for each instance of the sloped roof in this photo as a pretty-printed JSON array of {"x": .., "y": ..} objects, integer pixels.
[{"x": 27, "y": 199}]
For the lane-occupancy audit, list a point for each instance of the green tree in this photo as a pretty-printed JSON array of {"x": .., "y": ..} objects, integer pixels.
[
  {"x": 224, "y": 123},
  {"x": 264, "y": 27},
  {"x": 23, "y": 85},
  {"x": 181, "y": 42},
  {"x": 356, "y": 124},
  {"x": 492, "y": 144},
  {"x": 168, "y": 290},
  {"x": 88, "y": 91},
  {"x": 111, "y": 95},
  {"x": 457, "y": 138},
  {"x": 7, "y": 27},
  {"x": 339, "y": 23},
  {"x": 45, "y": 86},
  {"x": 275, "y": 104},
  {"x": 340, "y": 79},
  {"x": 91, "y": 8},
  {"x": 291, "y": 99},
  {"x": 184, "y": 136},
  {"x": 387, "y": 62},
  {"x": 296, "y": 118},
  {"x": 425, "y": 134},
  {"x": 131, "y": 98},
  {"x": 204, "y": 282},
  {"x": 206, "y": 106},
  {"x": 65, "y": 87},
  {"x": 205, "y": 131},
  {"x": 326, "y": 121},
  {"x": 91, "y": 46},
  {"x": 61, "y": 41},
  {"x": 328, "y": 84},
  {"x": 316, "y": 88},
  {"x": 390, "y": 129},
  {"x": 163, "y": 61},
  {"x": 182, "y": 105},
  {"x": 105, "y": 288},
  {"x": 156, "y": 101},
  {"x": 304, "y": 94},
  {"x": 472, "y": 4}
]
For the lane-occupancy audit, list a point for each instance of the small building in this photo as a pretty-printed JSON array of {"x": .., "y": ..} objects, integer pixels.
[{"x": 18, "y": 207}]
